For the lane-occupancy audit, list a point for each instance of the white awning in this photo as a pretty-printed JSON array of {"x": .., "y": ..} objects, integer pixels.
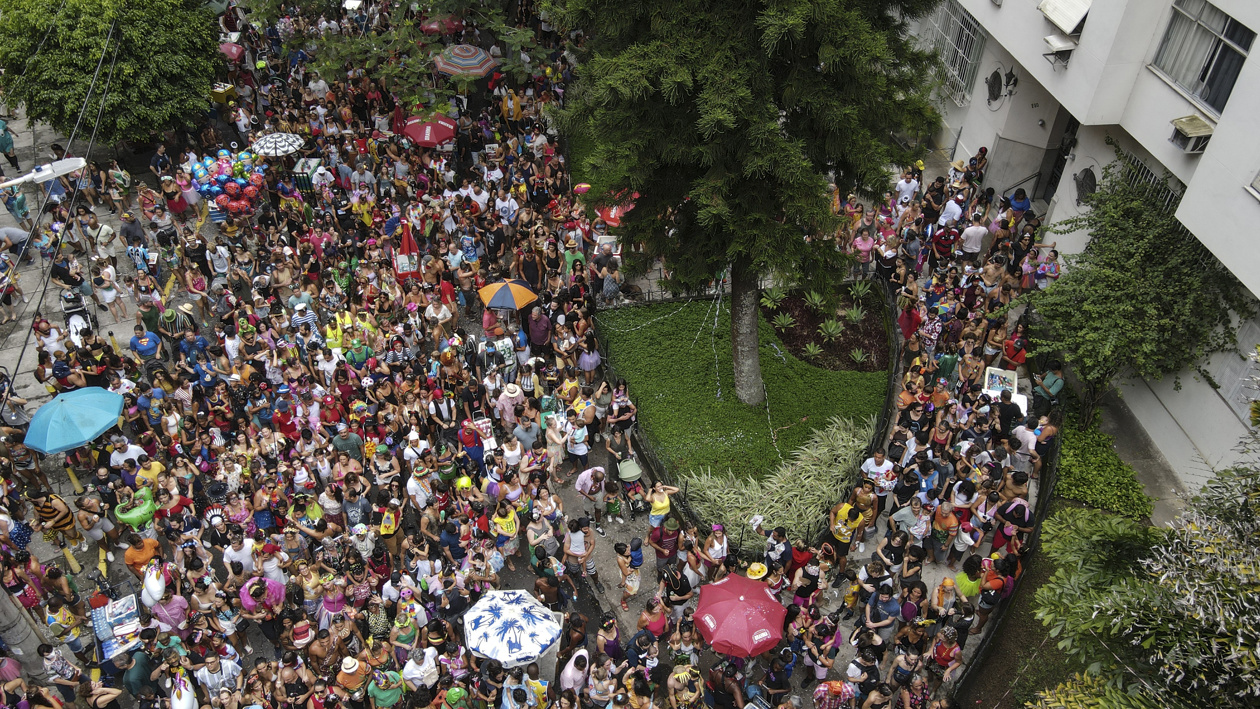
[{"x": 1067, "y": 15}]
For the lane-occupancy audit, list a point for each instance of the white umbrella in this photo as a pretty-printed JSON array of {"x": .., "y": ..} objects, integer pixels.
[
  {"x": 511, "y": 627},
  {"x": 274, "y": 145}
]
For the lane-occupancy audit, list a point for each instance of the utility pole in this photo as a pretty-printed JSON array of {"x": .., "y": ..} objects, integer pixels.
[{"x": 18, "y": 630}]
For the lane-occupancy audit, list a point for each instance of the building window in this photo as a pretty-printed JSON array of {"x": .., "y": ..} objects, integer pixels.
[
  {"x": 958, "y": 39},
  {"x": 1159, "y": 189},
  {"x": 1203, "y": 51}
]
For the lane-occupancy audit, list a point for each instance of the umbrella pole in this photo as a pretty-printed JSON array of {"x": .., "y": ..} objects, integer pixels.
[
  {"x": 71, "y": 561},
  {"x": 74, "y": 479}
]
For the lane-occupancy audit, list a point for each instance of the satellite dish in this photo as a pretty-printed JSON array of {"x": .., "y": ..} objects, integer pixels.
[
  {"x": 994, "y": 84},
  {"x": 1086, "y": 184}
]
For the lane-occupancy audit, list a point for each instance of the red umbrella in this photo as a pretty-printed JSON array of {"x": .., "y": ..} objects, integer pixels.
[
  {"x": 612, "y": 215},
  {"x": 232, "y": 50},
  {"x": 429, "y": 134},
  {"x": 739, "y": 616},
  {"x": 443, "y": 25}
]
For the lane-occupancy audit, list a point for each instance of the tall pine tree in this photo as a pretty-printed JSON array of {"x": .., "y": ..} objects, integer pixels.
[{"x": 729, "y": 118}]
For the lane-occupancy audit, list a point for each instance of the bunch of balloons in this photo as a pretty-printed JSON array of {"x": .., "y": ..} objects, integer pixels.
[{"x": 232, "y": 182}]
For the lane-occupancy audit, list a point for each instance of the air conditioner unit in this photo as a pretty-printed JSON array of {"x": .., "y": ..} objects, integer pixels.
[
  {"x": 1060, "y": 48},
  {"x": 1191, "y": 134}
]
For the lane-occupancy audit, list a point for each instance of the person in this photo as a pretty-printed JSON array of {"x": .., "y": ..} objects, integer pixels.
[
  {"x": 65, "y": 675},
  {"x": 1046, "y": 388},
  {"x": 54, "y": 519}
]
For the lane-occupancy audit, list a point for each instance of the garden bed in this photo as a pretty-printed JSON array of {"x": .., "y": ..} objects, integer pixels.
[
  {"x": 861, "y": 346},
  {"x": 676, "y": 358}
]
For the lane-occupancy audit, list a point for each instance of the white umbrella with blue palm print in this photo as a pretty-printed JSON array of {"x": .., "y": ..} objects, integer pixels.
[{"x": 511, "y": 627}]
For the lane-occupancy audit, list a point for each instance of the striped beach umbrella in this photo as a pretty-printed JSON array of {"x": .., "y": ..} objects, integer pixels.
[{"x": 465, "y": 61}]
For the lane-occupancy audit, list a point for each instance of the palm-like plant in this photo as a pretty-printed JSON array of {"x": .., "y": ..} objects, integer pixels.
[
  {"x": 855, "y": 314},
  {"x": 812, "y": 350},
  {"x": 859, "y": 290},
  {"x": 771, "y": 298},
  {"x": 783, "y": 321},
  {"x": 858, "y": 355},
  {"x": 816, "y": 301},
  {"x": 831, "y": 329}
]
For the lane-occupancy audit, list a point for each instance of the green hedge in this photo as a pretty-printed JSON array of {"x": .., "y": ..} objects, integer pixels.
[
  {"x": 1091, "y": 472},
  {"x": 666, "y": 353}
]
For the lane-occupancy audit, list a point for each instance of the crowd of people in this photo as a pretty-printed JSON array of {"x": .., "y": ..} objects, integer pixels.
[{"x": 325, "y": 454}]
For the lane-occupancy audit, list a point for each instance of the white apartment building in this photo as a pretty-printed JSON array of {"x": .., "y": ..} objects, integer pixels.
[{"x": 1043, "y": 83}]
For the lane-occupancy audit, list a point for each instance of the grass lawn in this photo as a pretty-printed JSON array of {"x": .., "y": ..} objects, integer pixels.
[{"x": 687, "y": 403}]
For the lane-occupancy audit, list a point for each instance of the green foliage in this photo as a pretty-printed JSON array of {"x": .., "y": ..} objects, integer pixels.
[
  {"x": 167, "y": 52},
  {"x": 816, "y": 301},
  {"x": 728, "y": 127},
  {"x": 831, "y": 329},
  {"x": 1145, "y": 298},
  {"x": 730, "y": 119},
  {"x": 672, "y": 383},
  {"x": 772, "y": 297},
  {"x": 1091, "y": 472},
  {"x": 400, "y": 53},
  {"x": 812, "y": 350},
  {"x": 855, "y": 314},
  {"x": 860, "y": 290},
  {"x": 859, "y": 355},
  {"x": 1090, "y": 692},
  {"x": 797, "y": 494},
  {"x": 1174, "y": 612},
  {"x": 783, "y": 321}
]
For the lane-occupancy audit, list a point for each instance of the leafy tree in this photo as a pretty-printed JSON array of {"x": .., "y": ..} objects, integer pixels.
[
  {"x": 727, "y": 120},
  {"x": 166, "y": 52},
  {"x": 1174, "y": 613},
  {"x": 1145, "y": 299},
  {"x": 398, "y": 50}
]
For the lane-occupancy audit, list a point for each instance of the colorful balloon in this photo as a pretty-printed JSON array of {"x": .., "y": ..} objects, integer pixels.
[
  {"x": 250, "y": 192},
  {"x": 224, "y": 154},
  {"x": 241, "y": 181},
  {"x": 257, "y": 180},
  {"x": 221, "y": 179},
  {"x": 581, "y": 188},
  {"x": 223, "y": 201},
  {"x": 231, "y": 188},
  {"x": 214, "y": 190},
  {"x": 208, "y": 162}
]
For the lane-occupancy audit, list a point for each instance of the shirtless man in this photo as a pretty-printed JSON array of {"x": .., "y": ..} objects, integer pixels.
[
  {"x": 96, "y": 524},
  {"x": 325, "y": 652}
]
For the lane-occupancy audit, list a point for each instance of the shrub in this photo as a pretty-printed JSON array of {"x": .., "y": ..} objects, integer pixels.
[
  {"x": 859, "y": 290},
  {"x": 799, "y": 492},
  {"x": 783, "y": 321},
  {"x": 680, "y": 411},
  {"x": 858, "y": 355},
  {"x": 1091, "y": 472},
  {"x": 812, "y": 350}
]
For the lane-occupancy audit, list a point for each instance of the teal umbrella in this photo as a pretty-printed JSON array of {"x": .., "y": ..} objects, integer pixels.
[{"x": 73, "y": 419}]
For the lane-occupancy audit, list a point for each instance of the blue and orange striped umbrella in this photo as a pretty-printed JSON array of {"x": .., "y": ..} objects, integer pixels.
[{"x": 508, "y": 295}]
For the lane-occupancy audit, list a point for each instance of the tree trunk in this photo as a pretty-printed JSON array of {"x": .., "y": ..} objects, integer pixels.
[
  {"x": 16, "y": 627},
  {"x": 745, "y": 355}
]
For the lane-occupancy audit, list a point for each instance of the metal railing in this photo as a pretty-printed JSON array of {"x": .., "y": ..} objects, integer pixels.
[{"x": 1035, "y": 176}]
